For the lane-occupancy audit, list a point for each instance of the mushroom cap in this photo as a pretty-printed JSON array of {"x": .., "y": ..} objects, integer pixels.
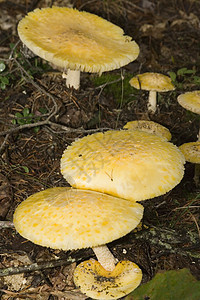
[
  {"x": 150, "y": 127},
  {"x": 66, "y": 218},
  {"x": 190, "y": 101},
  {"x": 191, "y": 151},
  {"x": 97, "y": 283},
  {"x": 76, "y": 40},
  {"x": 134, "y": 165},
  {"x": 152, "y": 82}
]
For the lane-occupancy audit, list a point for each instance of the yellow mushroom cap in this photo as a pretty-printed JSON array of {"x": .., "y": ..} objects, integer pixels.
[
  {"x": 191, "y": 151},
  {"x": 76, "y": 40},
  {"x": 150, "y": 127},
  {"x": 152, "y": 82},
  {"x": 97, "y": 283},
  {"x": 190, "y": 101},
  {"x": 66, "y": 218},
  {"x": 134, "y": 165}
]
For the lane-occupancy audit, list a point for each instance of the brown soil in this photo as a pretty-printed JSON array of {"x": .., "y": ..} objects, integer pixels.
[{"x": 168, "y": 33}]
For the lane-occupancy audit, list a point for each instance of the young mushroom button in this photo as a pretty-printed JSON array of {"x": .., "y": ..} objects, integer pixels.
[
  {"x": 67, "y": 219},
  {"x": 77, "y": 41}
]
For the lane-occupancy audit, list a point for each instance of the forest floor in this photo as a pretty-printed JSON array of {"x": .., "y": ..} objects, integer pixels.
[{"x": 52, "y": 116}]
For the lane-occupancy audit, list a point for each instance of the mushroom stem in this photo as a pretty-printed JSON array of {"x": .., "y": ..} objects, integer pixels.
[
  {"x": 197, "y": 174},
  {"x": 105, "y": 257},
  {"x": 72, "y": 78},
  {"x": 152, "y": 101}
]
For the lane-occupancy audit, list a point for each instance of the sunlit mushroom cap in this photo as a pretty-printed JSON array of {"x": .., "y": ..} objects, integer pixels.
[
  {"x": 191, "y": 151},
  {"x": 190, "y": 101},
  {"x": 66, "y": 218},
  {"x": 97, "y": 283},
  {"x": 152, "y": 82},
  {"x": 150, "y": 127},
  {"x": 72, "y": 39},
  {"x": 134, "y": 165}
]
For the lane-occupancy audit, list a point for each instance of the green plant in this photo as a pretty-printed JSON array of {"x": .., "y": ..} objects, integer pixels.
[
  {"x": 184, "y": 76},
  {"x": 113, "y": 85},
  {"x": 4, "y": 77},
  {"x": 26, "y": 117},
  {"x": 180, "y": 285}
]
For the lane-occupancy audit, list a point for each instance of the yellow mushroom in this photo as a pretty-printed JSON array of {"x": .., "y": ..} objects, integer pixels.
[
  {"x": 149, "y": 127},
  {"x": 191, "y": 101},
  {"x": 66, "y": 218},
  {"x": 191, "y": 151},
  {"x": 130, "y": 164},
  {"x": 152, "y": 82},
  {"x": 77, "y": 41}
]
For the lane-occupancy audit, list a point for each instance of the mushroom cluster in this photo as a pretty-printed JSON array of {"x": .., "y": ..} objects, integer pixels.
[{"x": 108, "y": 172}]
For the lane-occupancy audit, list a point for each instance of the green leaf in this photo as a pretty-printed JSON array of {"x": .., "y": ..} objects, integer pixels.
[
  {"x": 26, "y": 169},
  {"x": 2, "y": 66},
  {"x": 26, "y": 112},
  {"x": 4, "y": 80},
  {"x": 2, "y": 86},
  {"x": 196, "y": 79},
  {"x": 172, "y": 76},
  {"x": 183, "y": 71},
  {"x": 170, "y": 285}
]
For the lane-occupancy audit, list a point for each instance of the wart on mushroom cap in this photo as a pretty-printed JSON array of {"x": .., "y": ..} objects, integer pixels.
[
  {"x": 66, "y": 218},
  {"x": 134, "y": 165},
  {"x": 152, "y": 82},
  {"x": 149, "y": 127},
  {"x": 77, "y": 41}
]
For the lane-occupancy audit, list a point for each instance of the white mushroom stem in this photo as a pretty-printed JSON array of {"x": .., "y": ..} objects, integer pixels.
[
  {"x": 152, "y": 101},
  {"x": 105, "y": 257},
  {"x": 72, "y": 78}
]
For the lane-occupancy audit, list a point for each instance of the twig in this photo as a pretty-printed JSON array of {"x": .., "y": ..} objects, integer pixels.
[
  {"x": 6, "y": 224},
  {"x": 3, "y": 145},
  {"x": 47, "y": 122},
  {"x": 38, "y": 266}
]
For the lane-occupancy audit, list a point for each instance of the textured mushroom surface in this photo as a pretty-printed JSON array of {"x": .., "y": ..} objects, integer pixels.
[
  {"x": 152, "y": 81},
  {"x": 66, "y": 218},
  {"x": 134, "y": 165},
  {"x": 150, "y": 127},
  {"x": 190, "y": 101},
  {"x": 191, "y": 151},
  {"x": 97, "y": 283},
  {"x": 72, "y": 39}
]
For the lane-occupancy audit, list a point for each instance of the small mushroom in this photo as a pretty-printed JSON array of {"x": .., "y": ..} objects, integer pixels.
[
  {"x": 152, "y": 82},
  {"x": 191, "y": 101},
  {"x": 150, "y": 127},
  {"x": 129, "y": 164},
  {"x": 68, "y": 219},
  {"x": 191, "y": 151},
  {"x": 77, "y": 41}
]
